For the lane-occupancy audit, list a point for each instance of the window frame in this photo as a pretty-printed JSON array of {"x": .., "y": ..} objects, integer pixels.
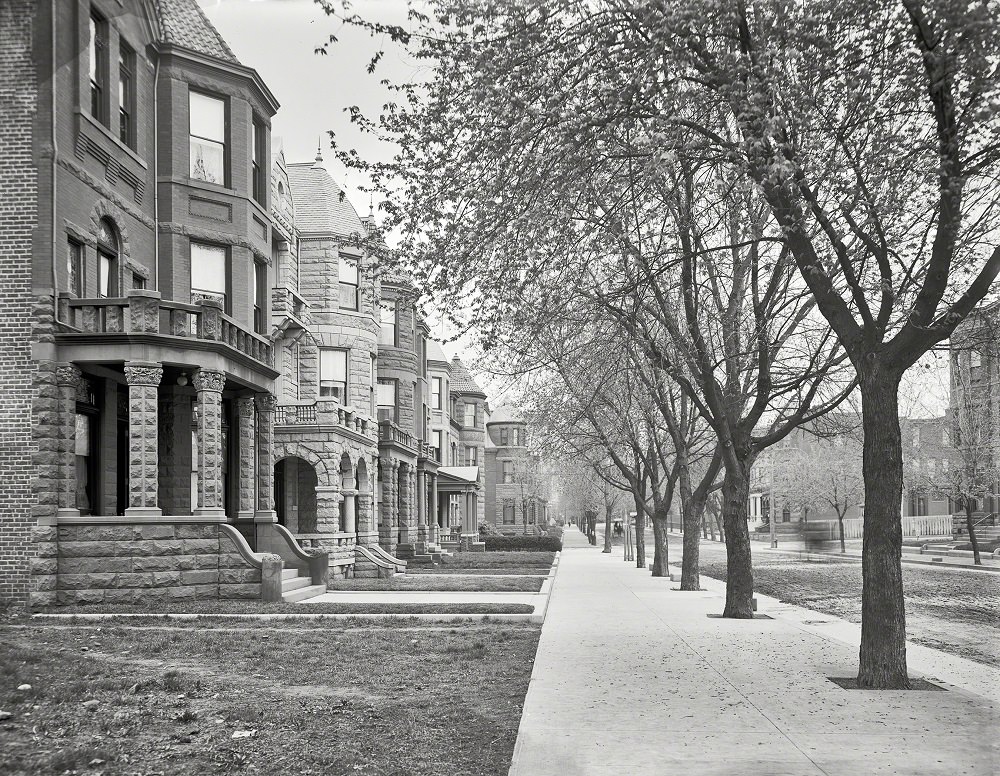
[
  {"x": 227, "y": 263},
  {"x": 98, "y": 48},
  {"x": 465, "y": 414},
  {"x": 345, "y": 383},
  {"x": 259, "y": 297},
  {"x": 507, "y": 504},
  {"x": 354, "y": 287},
  {"x": 258, "y": 155},
  {"x": 437, "y": 383},
  {"x": 391, "y": 381},
  {"x": 224, "y": 142},
  {"x": 471, "y": 455},
  {"x": 384, "y": 308},
  {"x": 504, "y": 436},
  {"x": 507, "y": 472},
  {"x": 76, "y": 269},
  {"x": 126, "y": 94},
  {"x": 106, "y": 251}
]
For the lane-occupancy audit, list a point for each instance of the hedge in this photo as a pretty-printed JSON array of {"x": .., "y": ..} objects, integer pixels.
[{"x": 522, "y": 543}]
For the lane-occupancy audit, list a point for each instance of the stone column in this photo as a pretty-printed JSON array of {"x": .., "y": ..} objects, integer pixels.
[
  {"x": 143, "y": 443},
  {"x": 328, "y": 498},
  {"x": 246, "y": 410},
  {"x": 432, "y": 510},
  {"x": 405, "y": 504},
  {"x": 349, "y": 524},
  {"x": 364, "y": 517},
  {"x": 211, "y": 499},
  {"x": 265, "y": 458},
  {"x": 421, "y": 493},
  {"x": 68, "y": 378}
]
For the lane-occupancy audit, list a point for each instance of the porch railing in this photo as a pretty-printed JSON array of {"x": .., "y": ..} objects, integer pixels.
[
  {"x": 390, "y": 432},
  {"x": 143, "y": 312},
  {"x": 323, "y": 413}
]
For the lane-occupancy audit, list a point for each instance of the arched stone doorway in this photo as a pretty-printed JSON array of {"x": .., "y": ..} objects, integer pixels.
[{"x": 295, "y": 484}]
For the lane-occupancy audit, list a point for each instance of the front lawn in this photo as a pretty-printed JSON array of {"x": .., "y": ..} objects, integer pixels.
[
  {"x": 426, "y": 582},
  {"x": 498, "y": 560},
  {"x": 266, "y": 698},
  {"x": 531, "y": 571}
]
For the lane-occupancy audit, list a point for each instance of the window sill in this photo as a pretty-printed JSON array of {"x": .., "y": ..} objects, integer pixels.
[{"x": 194, "y": 183}]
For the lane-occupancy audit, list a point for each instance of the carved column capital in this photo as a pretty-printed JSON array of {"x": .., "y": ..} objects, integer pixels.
[
  {"x": 266, "y": 402},
  {"x": 143, "y": 373},
  {"x": 68, "y": 375},
  {"x": 245, "y": 406},
  {"x": 208, "y": 380}
]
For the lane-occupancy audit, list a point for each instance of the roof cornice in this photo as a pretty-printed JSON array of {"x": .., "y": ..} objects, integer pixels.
[{"x": 233, "y": 68}]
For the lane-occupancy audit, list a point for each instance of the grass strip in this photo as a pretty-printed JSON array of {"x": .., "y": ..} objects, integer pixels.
[
  {"x": 426, "y": 582},
  {"x": 259, "y": 607}
]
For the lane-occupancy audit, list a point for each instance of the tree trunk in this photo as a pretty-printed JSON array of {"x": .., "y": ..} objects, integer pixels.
[
  {"x": 739, "y": 572},
  {"x": 972, "y": 533},
  {"x": 607, "y": 529},
  {"x": 640, "y": 539},
  {"x": 840, "y": 524},
  {"x": 883, "y": 620},
  {"x": 661, "y": 551},
  {"x": 693, "y": 517}
]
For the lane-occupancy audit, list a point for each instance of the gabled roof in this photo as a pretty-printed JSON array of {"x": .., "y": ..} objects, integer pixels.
[
  {"x": 320, "y": 204},
  {"x": 505, "y": 413},
  {"x": 461, "y": 379},
  {"x": 184, "y": 24},
  {"x": 436, "y": 353}
]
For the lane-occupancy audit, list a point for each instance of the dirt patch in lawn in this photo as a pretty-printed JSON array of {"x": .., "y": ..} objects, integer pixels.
[
  {"x": 259, "y": 607},
  {"x": 465, "y": 583},
  {"x": 119, "y": 700}
]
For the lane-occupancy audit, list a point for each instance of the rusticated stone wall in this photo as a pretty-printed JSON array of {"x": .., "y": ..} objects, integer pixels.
[{"x": 132, "y": 563}]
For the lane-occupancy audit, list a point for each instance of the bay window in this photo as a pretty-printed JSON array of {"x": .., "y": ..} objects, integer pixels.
[
  {"x": 210, "y": 273},
  {"x": 348, "y": 284},
  {"x": 333, "y": 374}
]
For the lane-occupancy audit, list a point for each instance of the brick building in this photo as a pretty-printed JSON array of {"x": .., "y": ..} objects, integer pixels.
[{"x": 514, "y": 489}]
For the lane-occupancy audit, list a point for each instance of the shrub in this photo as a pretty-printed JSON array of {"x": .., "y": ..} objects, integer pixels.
[
  {"x": 984, "y": 546},
  {"x": 522, "y": 543}
]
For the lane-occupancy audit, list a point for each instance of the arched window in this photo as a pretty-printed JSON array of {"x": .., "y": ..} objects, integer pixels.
[{"x": 108, "y": 249}]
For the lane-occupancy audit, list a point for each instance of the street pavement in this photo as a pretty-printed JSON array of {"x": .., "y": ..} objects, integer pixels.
[{"x": 635, "y": 677}]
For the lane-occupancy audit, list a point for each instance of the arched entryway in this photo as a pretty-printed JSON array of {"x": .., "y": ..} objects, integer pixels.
[{"x": 295, "y": 484}]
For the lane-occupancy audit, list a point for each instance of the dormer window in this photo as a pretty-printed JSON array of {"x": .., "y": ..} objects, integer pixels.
[{"x": 207, "y": 118}]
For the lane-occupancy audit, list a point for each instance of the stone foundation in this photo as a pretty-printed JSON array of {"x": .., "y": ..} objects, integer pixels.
[{"x": 140, "y": 563}]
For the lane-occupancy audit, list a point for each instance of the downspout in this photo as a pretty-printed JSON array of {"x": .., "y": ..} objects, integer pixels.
[
  {"x": 55, "y": 154},
  {"x": 156, "y": 176}
]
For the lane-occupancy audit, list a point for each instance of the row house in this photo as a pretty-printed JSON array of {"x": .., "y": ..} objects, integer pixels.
[
  {"x": 139, "y": 366},
  {"x": 514, "y": 500}
]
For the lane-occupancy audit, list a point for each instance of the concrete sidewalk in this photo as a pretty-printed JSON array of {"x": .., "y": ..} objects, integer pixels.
[{"x": 633, "y": 677}]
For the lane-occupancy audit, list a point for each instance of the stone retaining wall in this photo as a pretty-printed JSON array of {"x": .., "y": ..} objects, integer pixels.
[{"x": 139, "y": 563}]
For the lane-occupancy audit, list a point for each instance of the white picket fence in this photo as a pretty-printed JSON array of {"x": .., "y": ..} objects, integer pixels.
[{"x": 930, "y": 525}]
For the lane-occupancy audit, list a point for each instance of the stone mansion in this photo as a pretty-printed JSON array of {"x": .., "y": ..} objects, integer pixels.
[{"x": 209, "y": 390}]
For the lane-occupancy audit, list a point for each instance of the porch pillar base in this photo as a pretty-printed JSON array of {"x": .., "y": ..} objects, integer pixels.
[
  {"x": 70, "y": 512},
  {"x": 143, "y": 512},
  {"x": 265, "y": 516},
  {"x": 246, "y": 516},
  {"x": 210, "y": 512}
]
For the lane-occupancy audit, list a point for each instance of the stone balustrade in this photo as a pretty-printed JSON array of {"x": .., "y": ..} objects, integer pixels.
[
  {"x": 143, "y": 312},
  {"x": 323, "y": 413}
]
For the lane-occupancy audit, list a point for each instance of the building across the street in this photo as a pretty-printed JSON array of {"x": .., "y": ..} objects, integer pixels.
[
  {"x": 515, "y": 487},
  {"x": 201, "y": 398}
]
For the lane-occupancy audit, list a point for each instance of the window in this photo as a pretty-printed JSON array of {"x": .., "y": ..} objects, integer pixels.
[
  {"x": 471, "y": 456},
  {"x": 387, "y": 400},
  {"x": 74, "y": 267},
  {"x": 348, "y": 284},
  {"x": 259, "y": 297},
  {"x": 98, "y": 49},
  {"x": 470, "y": 415},
  {"x": 138, "y": 281},
  {"x": 508, "y": 513},
  {"x": 209, "y": 273},
  {"x": 436, "y": 393},
  {"x": 107, "y": 259},
  {"x": 207, "y": 120},
  {"x": 259, "y": 162},
  {"x": 508, "y": 472},
  {"x": 333, "y": 374},
  {"x": 372, "y": 382},
  {"x": 387, "y": 332},
  {"x": 531, "y": 514},
  {"x": 436, "y": 441},
  {"x": 504, "y": 434},
  {"x": 126, "y": 94}
]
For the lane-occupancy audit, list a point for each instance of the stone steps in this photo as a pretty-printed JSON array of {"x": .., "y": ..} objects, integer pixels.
[
  {"x": 298, "y": 588},
  {"x": 303, "y": 593}
]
